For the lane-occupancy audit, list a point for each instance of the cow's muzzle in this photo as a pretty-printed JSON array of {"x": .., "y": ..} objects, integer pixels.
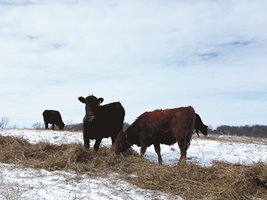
[{"x": 90, "y": 117}]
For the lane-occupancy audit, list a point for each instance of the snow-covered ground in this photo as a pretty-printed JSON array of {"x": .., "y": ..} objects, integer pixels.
[{"x": 41, "y": 184}]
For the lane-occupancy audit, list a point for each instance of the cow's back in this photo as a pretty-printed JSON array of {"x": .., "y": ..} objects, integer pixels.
[
  {"x": 111, "y": 112},
  {"x": 51, "y": 116},
  {"x": 163, "y": 126},
  {"x": 108, "y": 120}
]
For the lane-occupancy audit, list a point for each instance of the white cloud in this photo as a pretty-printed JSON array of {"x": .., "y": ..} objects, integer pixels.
[{"x": 147, "y": 54}]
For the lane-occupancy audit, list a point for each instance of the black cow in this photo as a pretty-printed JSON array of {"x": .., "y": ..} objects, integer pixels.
[
  {"x": 200, "y": 126},
  {"x": 53, "y": 117},
  {"x": 101, "y": 121}
]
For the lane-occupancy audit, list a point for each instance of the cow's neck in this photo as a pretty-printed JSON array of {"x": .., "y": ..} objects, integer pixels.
[{"x": 132, "y": 136}]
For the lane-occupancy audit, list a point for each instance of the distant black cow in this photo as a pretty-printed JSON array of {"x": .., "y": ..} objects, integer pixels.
[
  {"x": 101, "y": 121},
  {"x": 200, "y": 126},
  {"x": 53, "y": 117},
  {"x": 159, "y": 127}
]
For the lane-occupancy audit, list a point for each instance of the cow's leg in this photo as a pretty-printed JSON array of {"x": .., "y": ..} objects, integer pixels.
[
  {"x": 186, "y": 144},
  {"x": 157, "y": 149},
  {"x": 113, "y": 138},
  {"x": 143, "y": 150},
  {"x": 86, "y": 141},
  {"x": 86, "y": 136},
  {"x": 53, "y": 126},
  {"x": 46, "y": 125},
  {"x": 183, "y": 148},
  {"x": 97, "y": 144},
  {"x": 197, "y": 132}
]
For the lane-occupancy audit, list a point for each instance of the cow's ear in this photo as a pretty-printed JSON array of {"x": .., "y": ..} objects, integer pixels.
[
  {"x": 100, "y": 100},
  {"x": 82, "y": 99}
]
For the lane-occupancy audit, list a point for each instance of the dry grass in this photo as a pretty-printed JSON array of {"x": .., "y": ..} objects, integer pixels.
[{"x": 191, "y": 181}]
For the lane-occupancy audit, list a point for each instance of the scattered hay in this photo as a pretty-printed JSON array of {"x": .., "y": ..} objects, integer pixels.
[{"x": 191, "y": 181}]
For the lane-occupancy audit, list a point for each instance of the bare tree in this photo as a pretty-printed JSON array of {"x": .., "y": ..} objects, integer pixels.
[
  {"x": 4, "y": 122},
  {"x": 37, "y": 126}
]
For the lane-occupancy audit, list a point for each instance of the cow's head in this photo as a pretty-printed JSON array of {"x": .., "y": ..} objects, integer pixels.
[
  {"x": 61, "y": 126},
  {"x": 204, "y": 130},
  {"x": 200, "y": 126},
  {"x": 121, "y": 143},
  {"x": 91, "y": 104}
]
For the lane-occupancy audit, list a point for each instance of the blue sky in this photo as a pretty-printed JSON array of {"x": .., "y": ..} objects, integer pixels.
[{"x": 210, "y": 54}]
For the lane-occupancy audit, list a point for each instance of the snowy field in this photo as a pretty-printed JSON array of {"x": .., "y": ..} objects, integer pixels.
[{"x": 41, "y": 184}]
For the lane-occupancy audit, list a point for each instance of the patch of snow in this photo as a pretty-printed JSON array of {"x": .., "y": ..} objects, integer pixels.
[{"x": 41, "y": 184}]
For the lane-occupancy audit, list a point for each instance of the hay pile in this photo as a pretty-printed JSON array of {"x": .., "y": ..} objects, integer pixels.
[{"x": 221, "y": 181}]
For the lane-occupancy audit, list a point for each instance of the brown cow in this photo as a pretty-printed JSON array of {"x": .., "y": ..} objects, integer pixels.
[{"x": 159, "y": 127}]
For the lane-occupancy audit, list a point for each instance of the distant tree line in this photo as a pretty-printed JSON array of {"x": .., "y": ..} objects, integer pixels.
[{"x": 250, "y": 131}]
